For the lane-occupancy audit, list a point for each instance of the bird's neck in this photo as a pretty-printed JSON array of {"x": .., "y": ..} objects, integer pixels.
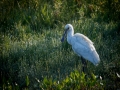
[{"x": 70, "y": 34}]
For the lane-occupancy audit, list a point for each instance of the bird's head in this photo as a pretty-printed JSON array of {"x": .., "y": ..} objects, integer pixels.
[{"x": 68, "y": 27}]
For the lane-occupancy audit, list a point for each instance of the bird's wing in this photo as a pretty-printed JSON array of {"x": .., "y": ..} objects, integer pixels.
[
  {"x": 85, "y": 41},
  {"x": 83, "y": 37},
  {"x": 83, "y": 46},
  {"x": 86, "y": 53}
]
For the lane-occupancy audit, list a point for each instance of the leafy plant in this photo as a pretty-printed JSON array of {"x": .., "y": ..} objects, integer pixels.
[
  {"x": 30, "y": 44},
  {"x": 74, "y": 81}
]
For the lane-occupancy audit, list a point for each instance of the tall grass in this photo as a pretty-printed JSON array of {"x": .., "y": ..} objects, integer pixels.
[
  {"x": 32, "y": 56},
  {"x": 43, "y": 55}
]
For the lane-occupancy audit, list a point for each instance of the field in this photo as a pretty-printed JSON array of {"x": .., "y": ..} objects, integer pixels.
[{"x": 33, "y": 57}]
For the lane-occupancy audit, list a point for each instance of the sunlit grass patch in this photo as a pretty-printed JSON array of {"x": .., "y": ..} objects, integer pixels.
[{"x": 41, "y": 54}]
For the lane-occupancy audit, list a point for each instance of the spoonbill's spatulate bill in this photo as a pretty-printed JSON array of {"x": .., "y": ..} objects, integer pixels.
[{"x": 81, "y": 45}]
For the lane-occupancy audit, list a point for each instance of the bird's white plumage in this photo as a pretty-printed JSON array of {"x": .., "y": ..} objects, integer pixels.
[{"x": 81, "y": 45}]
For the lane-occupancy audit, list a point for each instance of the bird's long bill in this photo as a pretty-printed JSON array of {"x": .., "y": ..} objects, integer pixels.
[{"x": 62, "y": 40}]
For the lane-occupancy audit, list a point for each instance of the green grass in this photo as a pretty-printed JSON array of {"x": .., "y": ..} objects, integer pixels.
[
  {"x": 39, "y": 55},
  {"x": 33, "y": 57}
]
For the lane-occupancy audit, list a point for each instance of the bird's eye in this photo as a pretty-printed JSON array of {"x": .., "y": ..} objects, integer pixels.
[{"x": 68, "y": 28}]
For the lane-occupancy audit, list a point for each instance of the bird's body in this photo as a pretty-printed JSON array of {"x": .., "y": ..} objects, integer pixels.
[{"x": 81, "y": 45}]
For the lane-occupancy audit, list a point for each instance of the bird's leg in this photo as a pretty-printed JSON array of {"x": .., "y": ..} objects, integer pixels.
[{"x": 84, "y": 64}]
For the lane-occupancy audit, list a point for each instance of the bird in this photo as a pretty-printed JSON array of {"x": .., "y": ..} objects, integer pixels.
[{"x": 81, "y": 45}]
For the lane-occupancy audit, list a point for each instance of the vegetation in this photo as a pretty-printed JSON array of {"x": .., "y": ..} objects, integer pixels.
[{"x": 32, "y": 56}]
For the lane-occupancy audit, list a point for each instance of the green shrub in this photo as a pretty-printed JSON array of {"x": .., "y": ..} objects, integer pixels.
[{"x": 30, "y": 43}]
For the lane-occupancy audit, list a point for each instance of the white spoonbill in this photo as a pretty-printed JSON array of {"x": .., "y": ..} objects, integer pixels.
[{"x": 81, "y": 45}]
